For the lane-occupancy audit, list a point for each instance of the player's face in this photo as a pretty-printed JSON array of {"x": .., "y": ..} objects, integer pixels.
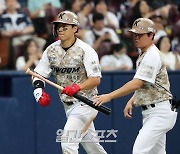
[
  {"x": 65, "y": 31},
  {"x": 142, "y": 40}
]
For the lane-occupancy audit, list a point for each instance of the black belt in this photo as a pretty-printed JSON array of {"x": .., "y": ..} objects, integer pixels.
[
  {"x": 68, "y": 103},
  {"x": 173, "y": 105},
  {"x": 170, "y": 101},
  {"x": 145, "y": 107}
]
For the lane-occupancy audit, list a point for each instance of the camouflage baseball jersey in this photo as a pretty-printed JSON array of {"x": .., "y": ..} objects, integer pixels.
[
  {"x": 151, "y": 68},
  {"x": 72, "y": 66}
]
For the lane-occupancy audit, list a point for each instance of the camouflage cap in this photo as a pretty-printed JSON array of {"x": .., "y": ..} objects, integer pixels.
[
  {"x": 67, "y": 17},
  {"x": 142, "y": 26}
]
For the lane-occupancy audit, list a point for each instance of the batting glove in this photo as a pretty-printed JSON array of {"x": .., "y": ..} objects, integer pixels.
[
  {"x": 41, "y": 97},
  {"x": 71, "y": 90}
]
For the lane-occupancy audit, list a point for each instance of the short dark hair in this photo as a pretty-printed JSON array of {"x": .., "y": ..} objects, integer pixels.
[
  {"x": 117, "y": 47},
  {"x": 96, "y": 2},
  {"x": 97, "y": 16},
  {"x": 150, "y": 34}
]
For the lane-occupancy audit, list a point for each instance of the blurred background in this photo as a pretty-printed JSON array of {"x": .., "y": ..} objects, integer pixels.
[{"x": 26, "y": 30}]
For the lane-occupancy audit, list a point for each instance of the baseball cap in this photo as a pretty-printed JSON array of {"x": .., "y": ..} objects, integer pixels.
[{"x": 142, "y": 26}]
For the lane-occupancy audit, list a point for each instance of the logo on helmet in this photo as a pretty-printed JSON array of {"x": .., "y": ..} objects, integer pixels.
[
  {"x": 61, "y": 15},
  {"x": 136, "y": 23}
]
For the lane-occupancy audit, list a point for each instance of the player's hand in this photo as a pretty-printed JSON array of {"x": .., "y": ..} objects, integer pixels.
[
  {"x": 128, "y": 110},
  {"x": 41, "y": 97},
  {"x": 99, "y": 100},
  {"x": 71, "y": 90}
]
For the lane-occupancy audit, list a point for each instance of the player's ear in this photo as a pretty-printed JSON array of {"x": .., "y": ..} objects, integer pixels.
[{"x": 75, "y": 29}]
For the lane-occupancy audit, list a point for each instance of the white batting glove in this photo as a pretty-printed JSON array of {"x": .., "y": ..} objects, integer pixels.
[{"x": 37, "y": 94}]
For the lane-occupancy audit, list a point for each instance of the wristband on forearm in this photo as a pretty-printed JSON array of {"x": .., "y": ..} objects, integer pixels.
[{"x": 38, "y": 84}]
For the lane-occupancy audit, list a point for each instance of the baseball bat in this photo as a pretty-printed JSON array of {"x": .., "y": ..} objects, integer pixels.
[{"x": 101, "y": 108}]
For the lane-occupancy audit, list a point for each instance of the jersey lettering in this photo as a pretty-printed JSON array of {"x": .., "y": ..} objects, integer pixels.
[{"x": 66, "y": 70}]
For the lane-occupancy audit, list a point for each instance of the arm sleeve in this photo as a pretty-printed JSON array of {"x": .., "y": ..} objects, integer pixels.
[
  {"x": 91, "y": 63},
  {"x": 38, "y": 83},
  {"x": 149, "y": 68},
  {"x": 43, "y": 68}
]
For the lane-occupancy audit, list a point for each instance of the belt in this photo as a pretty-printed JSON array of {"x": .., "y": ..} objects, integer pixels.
[
  {"x": 68, "y": 103},
  {"x": 170, "y": 101},
  {"x": 145, "y": 107},
  {"x": 173, "y": 106}
]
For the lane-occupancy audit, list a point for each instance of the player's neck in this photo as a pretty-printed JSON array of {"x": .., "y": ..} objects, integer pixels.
[
  {"x": 146, "y": 47},
  {"x": 68, "y": 43}
]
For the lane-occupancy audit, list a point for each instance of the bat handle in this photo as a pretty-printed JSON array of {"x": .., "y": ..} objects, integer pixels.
[{"x": 101, "y": 108}]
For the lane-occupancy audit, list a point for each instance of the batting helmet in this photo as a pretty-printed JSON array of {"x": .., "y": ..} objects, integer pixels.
[
  {"x": 142, "y": 26},
  {"x": 67, "y": 17}
]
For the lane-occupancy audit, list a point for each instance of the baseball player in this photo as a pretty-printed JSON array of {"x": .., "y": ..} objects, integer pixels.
[
  {"x": 75, "y": 66},
  {"x": 151, "y": 86}
]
